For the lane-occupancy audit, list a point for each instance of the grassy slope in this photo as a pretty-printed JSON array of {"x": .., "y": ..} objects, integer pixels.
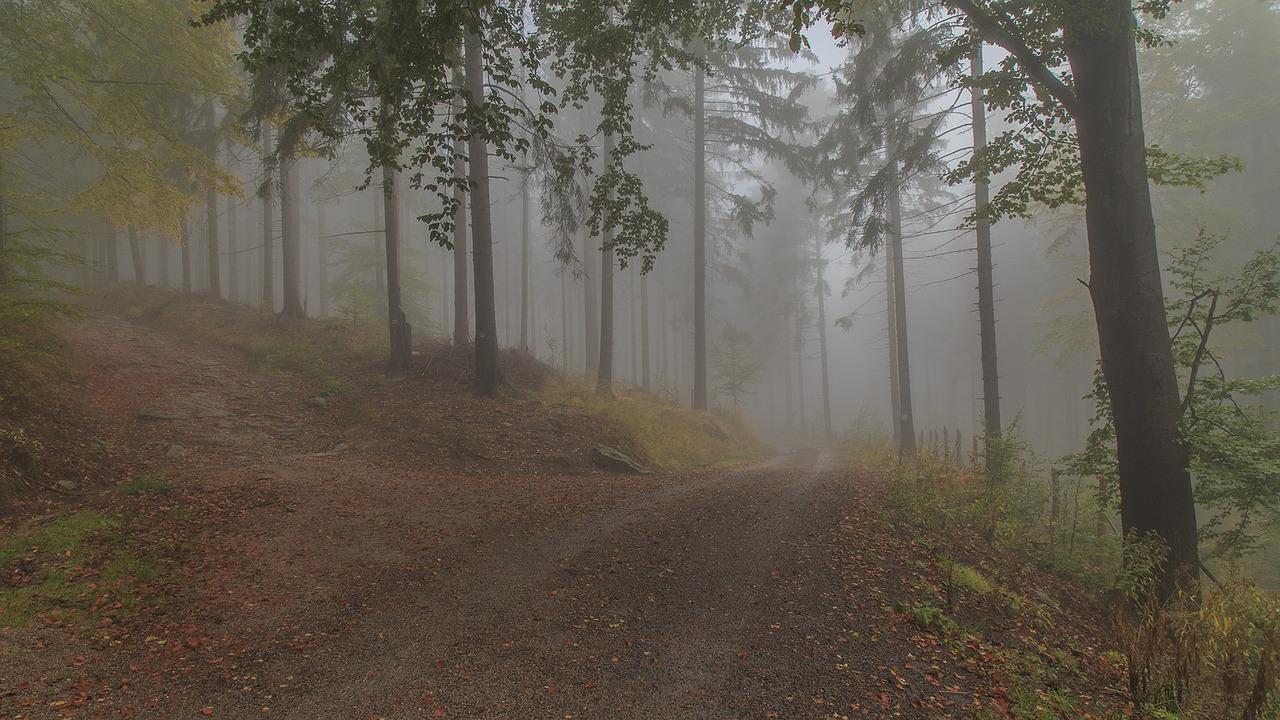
[{"x": 339, "y": 356}]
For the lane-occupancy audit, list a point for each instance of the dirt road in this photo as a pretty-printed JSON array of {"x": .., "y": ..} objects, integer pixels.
[{"x": 326, "y": 577}]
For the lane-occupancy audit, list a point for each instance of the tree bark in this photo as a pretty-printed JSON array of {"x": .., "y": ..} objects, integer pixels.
[
  {"x": 291, "y": 236},
  {"x": 139, "y": 262},
  {"x": 397, "y": 324},
  {"x": 646, "y": 380},
  {"x": 907, "y": 445},
  {"x": 488, "y": 375},
  {"x": 233, "y": 246},
  {"x": 461, "y": 303},
  {"x": 986, "y": 285},
  {"x": 268, "y": 226},
  {"x": 526, "y": 310},
  {"x": 322, "y": 262},
  {"x": 820, "y": 291},
  {"x": 604, "y": 380},
  {"x": 589, "y": 307},
  {"x": 1128, "y": 298},
  {"x": 891, "y": 314},
  {"x": 211, "y": 210},
  {"x": 699, "y": 241},
  {"x": 803, "y": 421}
]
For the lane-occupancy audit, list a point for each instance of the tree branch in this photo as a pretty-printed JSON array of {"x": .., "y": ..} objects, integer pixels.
[{"x": 992, "y": 28}]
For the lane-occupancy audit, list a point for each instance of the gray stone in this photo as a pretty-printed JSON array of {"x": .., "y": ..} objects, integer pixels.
[
  {"x": 175, "y": 451},
  {"x": 316, "y": 401},
  {"x": 67, "y": 485}
]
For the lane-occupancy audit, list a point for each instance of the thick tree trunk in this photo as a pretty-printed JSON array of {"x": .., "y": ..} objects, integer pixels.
[
  {"x": 589, "y": 307},
  {"x": 986, "y": 284},
  {"x": 1124, "y": 282},
  {"x": 379, "y": 250},
  {"x": 488, "y": 375},
  {"x": 820, "y": 291},
  {"x": 211, "y": 211},
  {"x": 604, "y": 380},
  {"x": 397, "y": 324},
  {"x": 699, "y": 241},
  {"x": 907, "y": 445},
  {"x": 461, "y": 303},
  {"x": 139, "y": 262},
  {"x": 291, "y": 237},
  {"x": 268, "y": 226}
]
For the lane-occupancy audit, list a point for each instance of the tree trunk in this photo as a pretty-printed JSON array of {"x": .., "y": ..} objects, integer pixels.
[
  {"x": 322, "y": 262},
  {"x": 379, "y": 250},
  {"x": 908, "y": 435},
  {"x": 268, "y": 226},
  {"x": 891, "y": 314},
  {"x": 397, "y": 324},
  {"x": 645, "y": 378},
  {"x": 986, "y": 285},
  {"x": 589, "y": 307},
  {"x": 564, "y": 323},
  {"x": 139, "y": 262},
  {"x": 211, "y": 211},
  {"x": 166, "y": 262},
  {"x": 803, "y": 421},
  {"x": 461, "y": 303},
  {"x": 1124, "y": 270},
  {"x": 699, "y": 241},
  {"x": 604, "y": 380},
  {"x": 291, "y": 236},
  {"x": 526, "y": 310},
  {"x": 185, "y": 232},
  {"x": 488, "y": 375},
  {"x": 820, "y": 291},
  {"x": 233, "y": 246}
]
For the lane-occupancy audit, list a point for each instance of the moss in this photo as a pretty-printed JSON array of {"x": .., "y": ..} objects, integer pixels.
[
  {"x": 76, "y": 567},
  {"x": 969, "y": 578},
  {"x": 146, "y": 484}
]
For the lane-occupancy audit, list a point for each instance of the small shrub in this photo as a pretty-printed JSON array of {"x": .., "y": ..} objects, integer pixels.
[{"x": 146, "y": 484}]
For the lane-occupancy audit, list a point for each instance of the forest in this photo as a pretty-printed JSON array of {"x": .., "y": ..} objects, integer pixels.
[{"x": 640, "y": 359}]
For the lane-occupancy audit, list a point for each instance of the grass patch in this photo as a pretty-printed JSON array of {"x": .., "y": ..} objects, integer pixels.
[
  {"x": 76, "y": 567},
  {"x": 969, "y": 578},
  {"x": 146, "y": 484},
  {"x": 660, "y": 433}
]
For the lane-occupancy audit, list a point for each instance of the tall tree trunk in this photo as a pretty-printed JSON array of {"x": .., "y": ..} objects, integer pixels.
[
  {"x": 291, "y": 236},
  {"x": 803, "y": 419},
  {"x": 645, "y": 378},
  {"x": 268, "y": 226},
  {"x": 604, "y": 380},
  {"x": 397, "y": 324},
  {"x": 185, "y": 233},
  {"x": 380, "y": 249},
  {"x": 699, "y": 241},
  {"x": 564, "y": 323},
  {"x": 488, "y": 375},
  {"x": 461, "y": 303},
  {"x": 986, "y": 284},
  {"x": 233, "y": 245},
  {"x": 139, "y": 262},
  {"x": 634, "y": 340},
  {"x": 322, "y": 262},
  {"x": 1128, "y": 300},
  {"x": 166, "y": 263},
  {"x": 211, "y": 210},
  {"x": 525, "y": 309},
  {"x": 891, "y": 313},
  {"x": 820, "y": 290},
  {"x": 788, "y": 391},
  {"x": 907, "y": 444}
]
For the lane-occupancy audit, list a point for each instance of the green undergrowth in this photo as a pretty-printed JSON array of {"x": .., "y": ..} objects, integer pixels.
[
  {"x": 79, "y": 568},
  {"x": 662, "y": 434}
]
